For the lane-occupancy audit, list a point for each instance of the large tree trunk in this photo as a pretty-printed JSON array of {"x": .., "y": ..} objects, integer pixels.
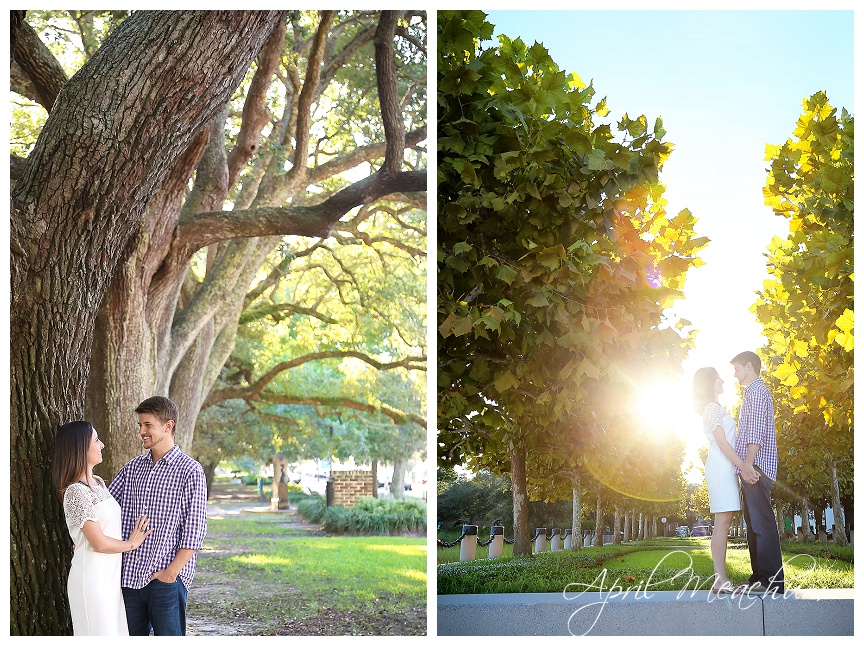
[
  {"x": 617, "y": 524},
  {"x": 847, "y": 502},
  {"x": 397, "y": 485},
  {"x": 839, "y": 534},
  {"x": 626, "y": 526},
  {"x": 805, "y": 521},
  {"x": 521, "y": 535},
  {"x": 598, "y": 525},
  {"x": 375, "y": 478},
  {"x": 778, "y": 518},
  {"x": 576, "y": 543},
  {"x": 209, "y": 474},
  {"x": 74, "y": 206}
]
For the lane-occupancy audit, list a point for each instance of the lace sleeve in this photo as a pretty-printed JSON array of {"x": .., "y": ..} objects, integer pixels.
[
  {"x": 78, "y": 506},
  {"x": 712, "y": 417}
]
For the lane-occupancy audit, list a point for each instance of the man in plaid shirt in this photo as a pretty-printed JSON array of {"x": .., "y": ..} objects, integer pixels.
[
  {"x": 169, "y": 487},
  {"x": 756, "y": 445}
]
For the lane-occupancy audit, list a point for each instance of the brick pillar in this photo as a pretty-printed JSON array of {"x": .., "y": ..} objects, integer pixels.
[{"x": 351, "y": 486}]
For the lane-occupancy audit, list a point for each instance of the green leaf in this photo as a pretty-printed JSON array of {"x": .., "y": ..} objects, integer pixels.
[
  {"x": 504, "y": 381},
  {"x": 506, "y": 273},
  {"x": 462, "y": 326}
]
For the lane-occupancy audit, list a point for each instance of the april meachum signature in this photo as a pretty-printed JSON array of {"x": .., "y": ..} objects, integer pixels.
[{"x": 641, "y": 589}]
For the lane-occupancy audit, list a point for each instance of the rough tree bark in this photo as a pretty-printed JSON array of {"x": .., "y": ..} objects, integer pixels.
[
  {"x": 839, "y": 534},
  {"x": 598, "y": 519},
  {"x": 397, "y": 484},
  {"x": 577, "y": 512},
  {"x": 805, "y": 521},
  {"x": 626, "y": 526},
  {"x": 521, "y": 535},
  {"x": 114, "y": 129}
]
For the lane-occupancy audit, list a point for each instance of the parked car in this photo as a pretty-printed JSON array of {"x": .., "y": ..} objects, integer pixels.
[
  {"x": 682, "y": 532},
  {"x": 701, "y": 530}
]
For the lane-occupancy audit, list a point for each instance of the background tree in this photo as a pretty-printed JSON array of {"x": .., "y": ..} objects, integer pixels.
[
  {"x": 806, "y": 307},
  {"x": 104, "y": 227},
  {"x": 539, "y": 208}
]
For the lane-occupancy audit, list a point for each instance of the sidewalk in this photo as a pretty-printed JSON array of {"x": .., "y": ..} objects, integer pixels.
[{"x": 801, "y": 612}]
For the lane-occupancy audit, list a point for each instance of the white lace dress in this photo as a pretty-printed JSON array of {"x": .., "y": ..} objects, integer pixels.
[
  {"x": 719, "y": 471},
  {"x": 95, "y": 597}
]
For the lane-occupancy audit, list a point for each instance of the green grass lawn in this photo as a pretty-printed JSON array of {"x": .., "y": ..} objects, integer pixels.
[
  {"x": 334, "y": 571},
  {"x": 659, "y": 564},
  {"x": 269, "y": 574}
]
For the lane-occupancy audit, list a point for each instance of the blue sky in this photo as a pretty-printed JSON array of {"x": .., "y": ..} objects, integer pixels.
[{"x": 726, "y": 83}]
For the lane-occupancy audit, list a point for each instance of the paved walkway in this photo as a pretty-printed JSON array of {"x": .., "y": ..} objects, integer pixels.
[{"x": 798, "y": 612}]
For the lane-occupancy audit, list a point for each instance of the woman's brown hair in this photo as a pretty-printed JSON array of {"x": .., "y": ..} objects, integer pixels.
[
  {"x": 703, "y": 388},
  {"x": 70, "y": 454}
]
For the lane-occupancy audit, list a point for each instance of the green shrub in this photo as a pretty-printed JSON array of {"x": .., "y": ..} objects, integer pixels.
[
  {"x": 296, "y": 495},
  {"x": 312, "y": 508},
  {"x": 337, "y": 519},
  {"x": 377, "y": 517},
  {"x": 822, "y": 550}
]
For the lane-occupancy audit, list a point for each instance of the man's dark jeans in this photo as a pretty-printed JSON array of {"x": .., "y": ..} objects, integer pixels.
[
  {"x": 763, "y": 538},
  {"x": 159, "y": 605}
]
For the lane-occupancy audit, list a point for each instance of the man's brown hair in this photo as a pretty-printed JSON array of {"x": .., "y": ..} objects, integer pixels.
[
  {"x": 162, "y": 408},
  {"x": 749, "y": 357}
]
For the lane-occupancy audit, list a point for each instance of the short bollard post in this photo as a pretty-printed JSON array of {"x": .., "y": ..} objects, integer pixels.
[
  {"x": 496, "y": 547},
  {"x": 540, "y": 542},
  {"x": 555, "y": 543},
  {"x": 468, "y": 544},
  {"x": 568, "y": 539}
]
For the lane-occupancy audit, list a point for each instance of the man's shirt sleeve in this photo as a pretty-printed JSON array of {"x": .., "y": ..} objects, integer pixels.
[
  {"x": 116, "y": 486},
  {"x": 193, "y": 520}
]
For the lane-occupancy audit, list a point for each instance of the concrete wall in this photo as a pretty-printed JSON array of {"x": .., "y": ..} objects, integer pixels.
[{"x": 798, "y": 612}]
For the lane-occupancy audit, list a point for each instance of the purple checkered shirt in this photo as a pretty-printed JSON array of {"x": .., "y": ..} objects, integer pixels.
[
  {"x": 756, "y": 426},
  {"x": 173, "y": 494}
]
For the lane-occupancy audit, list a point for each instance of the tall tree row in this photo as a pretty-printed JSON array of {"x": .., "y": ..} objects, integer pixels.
[
  {"x": 806, "y": 308},
  {"x": 154, "y": 203},
  {"x": 556, "y": 260}
]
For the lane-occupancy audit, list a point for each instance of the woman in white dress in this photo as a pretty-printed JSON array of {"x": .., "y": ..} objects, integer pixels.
[
  {"x": 720, "y": 476},
  {"x": 93, "y": 519}
]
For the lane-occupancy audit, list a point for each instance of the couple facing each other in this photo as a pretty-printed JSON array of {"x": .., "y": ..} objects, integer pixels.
[
  {"x": 135, "y": 540},
  {"x": 751, "y": 454}
]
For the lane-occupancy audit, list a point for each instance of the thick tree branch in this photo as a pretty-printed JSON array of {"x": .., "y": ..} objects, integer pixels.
[
  {"x": 20, "y": 83},
  {"x": 255, "y": 112},
  {"x": 253, "y": 390},
  {"x": 388, "y": 95},
  {"x": 215, "y": 290},
  {"x": 398, "y": 416},
  {"x": 280, "y": 310},
  {"x": 421, "y": 47},
  {"x": 307, "y": 94},
  {"x": 316, "y": 221},
  {"x": 360, "y": 156},
  {"x": 38, "y": 63},
  {"x": 16, "y": 166}
]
